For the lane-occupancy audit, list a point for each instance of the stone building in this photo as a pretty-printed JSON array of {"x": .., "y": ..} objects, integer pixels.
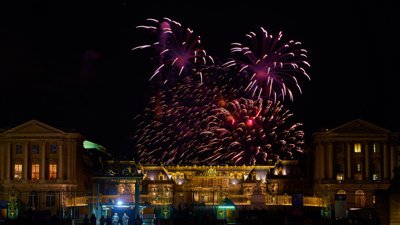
[
  {"x": 46, "y": 169},
  {"x": 352, "y": 163}
]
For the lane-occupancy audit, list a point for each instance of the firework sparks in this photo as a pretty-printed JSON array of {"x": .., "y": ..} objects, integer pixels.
[
  {"x": 178, "y": 49},
  {"x": 224, "y": 113},
  {"x": 271, "y": 66},
  {"x": 246, "y": 132}
]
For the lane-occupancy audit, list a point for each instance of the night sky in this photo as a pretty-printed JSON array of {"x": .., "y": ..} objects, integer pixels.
[{"x": 70, "y": 64}]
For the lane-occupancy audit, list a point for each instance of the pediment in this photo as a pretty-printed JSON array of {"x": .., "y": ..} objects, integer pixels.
[
  {"x": 33, "y": 127},
  {"x": 359, "y": 126}
]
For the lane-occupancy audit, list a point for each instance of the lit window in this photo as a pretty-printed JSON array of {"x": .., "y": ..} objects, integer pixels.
[
  {"x": 340, "y": 176},
  {"x": 358, "y": 167},
  {"x": 375, "y": 148},
  {"x": 35, "y": 171},
  {"x": 357, "y": 148},
  {"x": 18, "y": 149},
  {"x": 375, "y": 176},
  {"x": 53, "y": 148},
  {"x": 35, "y": 149},
  {"x": 50, "y": 199},
  {"x": 17, "y": 171},
  {"x": 52, "y": 171}
]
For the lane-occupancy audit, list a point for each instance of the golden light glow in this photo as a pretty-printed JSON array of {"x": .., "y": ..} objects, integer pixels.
[
  {"x": 52, "y": 171},
  {"x": 35, "y": 172},
  {"x": 17, "y": 171}
]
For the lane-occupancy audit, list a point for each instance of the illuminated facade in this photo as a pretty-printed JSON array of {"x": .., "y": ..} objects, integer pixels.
[
  {"x": 166, "y": 187},
  {"x": 351, "y": 164},
  {"x": 45, "y": 168}
]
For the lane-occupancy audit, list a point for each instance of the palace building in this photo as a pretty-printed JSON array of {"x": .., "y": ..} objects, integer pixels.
[{"x": 45, "y": 169}]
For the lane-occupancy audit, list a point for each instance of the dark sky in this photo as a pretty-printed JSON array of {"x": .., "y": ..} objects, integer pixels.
[{"x": 70, "y": 64}]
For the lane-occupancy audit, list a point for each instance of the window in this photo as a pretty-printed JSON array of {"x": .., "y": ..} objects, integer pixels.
[
  {"x": 35, "y": 149},
  {"x": 35, "y": 172},
  {"x": 53, "y": 148},
  {"x": 375, "y": 148},
  {"x": 357, "y": 148},
  {"x": 33, "y": 199},
  {"x": 359, "y": 199},
  {"x": 50, "y": 199},
  {"x": 18, "y": 149},
  {"x": 375, "y": 176},
  {"x": 340, "y": 176},
  {"x": 17, "y": 171},
  {"x": 52, "y": 171},
  {"x": 358, "y": 167}
]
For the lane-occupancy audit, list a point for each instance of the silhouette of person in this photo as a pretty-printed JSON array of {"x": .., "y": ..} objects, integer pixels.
[
  {"x": 102, "y": 220},
  {"x": 93, "y": 219},
  {"x": 86, "y": 220},
  {"x": 115, "y": 219},
  {"x": 125, "y": 219}
]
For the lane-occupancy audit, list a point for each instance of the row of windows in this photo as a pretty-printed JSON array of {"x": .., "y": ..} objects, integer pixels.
[
  {"x": 35, "y": 171},
  {"x": 35, "y": 148},
  {"x": 357, "y": 148},
  {"x": 33, "y": 200},
  {"x": 340, "y": 176}
]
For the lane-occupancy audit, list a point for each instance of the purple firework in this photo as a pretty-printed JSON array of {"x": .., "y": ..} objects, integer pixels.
[
  {"x": 178, "y": 49},
  {"x": 272, "y": 67},
  {"x": 244, "y": 131}
]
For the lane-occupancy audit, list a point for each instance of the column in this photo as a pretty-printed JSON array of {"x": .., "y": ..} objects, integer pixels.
[
  {"x": 349, "y": 161},
  {"x": 330, "y": 160},
  {"x": 321, "y": 163},
  {"x": 366, "y": 162},
  {"x": 60, "y": 161},
  {"x": 392, "y": 160},
  {"x": 317, "y": 160},
  {"x": 385, "y": 161},
  {"x": 8, "y": 162},
  {"x": 137, "y": 196},
  {"x": 42, "y": 161},
  {"x": 73, "y": 160},
  {"x": 69, "y": 163},
  {"x": 26, "y": 165},
  {"x": 2, "y": 163}
]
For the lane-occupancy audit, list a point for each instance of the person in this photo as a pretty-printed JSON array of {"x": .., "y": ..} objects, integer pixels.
[
  {"x": 86, "y": 220},
  {"x": 115, "y": 219},
  {"x": 108, "y": 220},
  {"x": 93, "y": 219},
  {"x": 125, "y": 219},
  {"x": 138, "y": 220},
  {"x": 102, "y": 220}
]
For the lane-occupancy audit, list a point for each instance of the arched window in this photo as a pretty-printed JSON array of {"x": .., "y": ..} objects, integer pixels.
[
  {"x": 359, "y": 197},
  {"x": 33, "y": 199},
  {"x": 50, "y": 199}
]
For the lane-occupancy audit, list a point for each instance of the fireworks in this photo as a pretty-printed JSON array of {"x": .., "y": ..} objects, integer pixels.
[
  {"x": 246, "y": 132},
  {"x": 272, "y": 67},
  {"x": 228, "y": 113},
  {"x": 178, "y": 49}
]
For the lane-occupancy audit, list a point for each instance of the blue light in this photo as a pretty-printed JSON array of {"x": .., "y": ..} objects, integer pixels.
[{"x": 119, "y": 202}]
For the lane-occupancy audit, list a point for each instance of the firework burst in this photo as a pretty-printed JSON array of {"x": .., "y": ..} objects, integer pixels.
[
  {"x": 244, "y": 131},
  {"x": 272, "y": 67},
  {"x": 178, "y": 49},
  {"x": 214, "y": 114}
]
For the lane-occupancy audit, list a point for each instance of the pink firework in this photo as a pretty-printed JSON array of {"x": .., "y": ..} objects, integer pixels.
[
  {"x": 178, "y": 49},
  {"x": 272, "y": 67}
]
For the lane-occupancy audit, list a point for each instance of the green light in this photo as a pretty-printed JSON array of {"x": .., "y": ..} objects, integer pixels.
[
  {"x": 91, "y": 145},
  {"x": 226, "y": 207}
]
